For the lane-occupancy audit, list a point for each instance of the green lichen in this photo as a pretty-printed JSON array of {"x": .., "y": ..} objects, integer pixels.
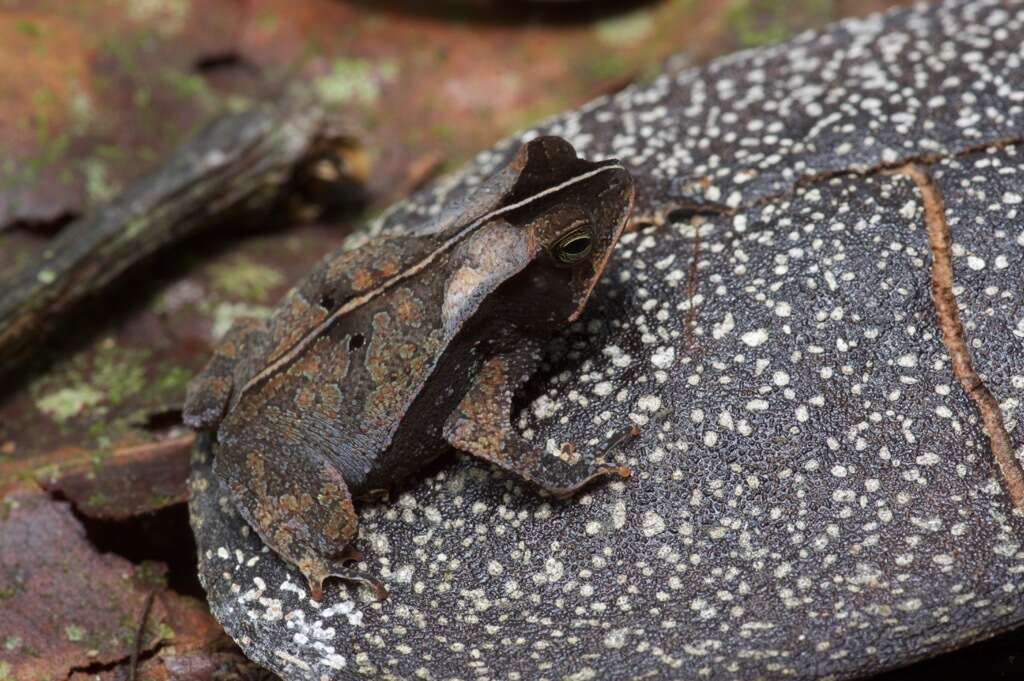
[
  {"x": 6, "y": 506},
  {"x": 30, "y": 29},
  {"x": 120, "y": 375},
  {"x": 81, "y": 110},
  {"x": 97, "y": 500},
  {"x": 121, "y": 50},
  {"x": 244, "y": 279},
  {"x": 162, "y": 500},
  {"x": 173, "y": 380},
  {"x": 12, "y": 643},
  {"x": 67, "y": 402},
  {"x": 150, "y": 574},
  {"x": 607, "y": 66},
  {"x": 167, "y": 16},
  {"x": 766, "y": 22},
  {"x": 446, "y": 133},
  {"x": 190, "y": 86},
  {"x": 94, "y": 382},
  {"x": 164, "y": 632},
  {"x": 74, "y": 633},
  {"x": 267, "y": 21},
  {"x": 353, "y": 80},
  {"x": 625, "y": 29},
  {"x": 225, "y": 315},
  {"x": 5, "y": 672},
  {"x": 98, "y": 186},
  {"x": 142, "y": 98}
]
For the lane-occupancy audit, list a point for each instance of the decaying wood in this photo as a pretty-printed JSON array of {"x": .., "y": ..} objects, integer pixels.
[{"x": 241, "y": 163}]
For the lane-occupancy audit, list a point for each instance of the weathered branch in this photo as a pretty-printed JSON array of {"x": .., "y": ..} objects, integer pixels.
[{"x": 241, "y": 163}]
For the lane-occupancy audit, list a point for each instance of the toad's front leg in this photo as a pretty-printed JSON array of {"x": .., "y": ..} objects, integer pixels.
[{"x": 482, "y": 426}]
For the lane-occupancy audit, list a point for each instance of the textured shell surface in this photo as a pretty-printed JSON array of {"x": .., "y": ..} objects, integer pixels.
[{"x": 814, "y": 493}]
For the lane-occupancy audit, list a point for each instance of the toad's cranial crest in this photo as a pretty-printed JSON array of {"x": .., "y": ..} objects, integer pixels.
[{"x": 384, "y": 355}]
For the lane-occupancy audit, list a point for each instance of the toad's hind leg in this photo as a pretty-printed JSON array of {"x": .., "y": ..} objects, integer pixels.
[
  {"x": 301, "y": 508},
  {"x": 207, "y": 396},
  {"x": 481, "y": 425}
]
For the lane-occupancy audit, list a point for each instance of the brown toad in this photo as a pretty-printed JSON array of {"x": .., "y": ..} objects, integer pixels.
[{"x": 385, "y": 354}]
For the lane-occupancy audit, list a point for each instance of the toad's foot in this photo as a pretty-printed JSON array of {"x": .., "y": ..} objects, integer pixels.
[
  {"x": 317, "y": 571},
  {"x": 482, "y": 426}
]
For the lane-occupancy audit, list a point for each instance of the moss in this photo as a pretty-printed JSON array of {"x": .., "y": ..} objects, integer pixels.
[
  {"x": 111, "y": 153},
  {"x": 97, "y": 500},
  {"x": 162, "y": 500},
  {"x": 99, "y": 433},
  {"x": 49, "y": 471},
  {"x": 625, "y": 29},
  {"x": 45, "y": 107},
  {"x": 151, "y": 574},
  {"x": 95, "y": 381},
  {"x": 766, "y": 22},
  {"x": 119, "y": 373},
  {"x": 121, "y": 49},
  {"x": 67, "y": 402},
  {"x": 353, "y": 80},
  {"x": 244, "y": 279},
  {"x": 5, "y": 672},
  {"x": 30, "y": 29},
  {"x": 6, "y": 506},
  {"x": 606, "y": 66},
  {"x": 445, "y": 132},
  {"x": 51, "y": 151},
  {"x": 267, "y": 21},
  {"x": 142, "y": 98},
  {"x": 190, "y": 86},
  {"x": 225, "y": 314},
  {"x": 168, "y": 16},
  {"x": 98, "y": 186},
  {"x": 174, "y": 380},
  {"x": 235, "y": 103},
  {"x": 81, "y": 111}
]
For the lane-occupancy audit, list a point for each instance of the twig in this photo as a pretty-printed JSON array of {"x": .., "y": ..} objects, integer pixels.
[
  {"x": 620, "y": 439},
  {"x": 140, "y": 632},
  {"x": 241, "y": 163}
]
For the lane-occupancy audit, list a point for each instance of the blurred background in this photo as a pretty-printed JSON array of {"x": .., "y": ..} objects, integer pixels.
[{"x": 95, "y": 93}]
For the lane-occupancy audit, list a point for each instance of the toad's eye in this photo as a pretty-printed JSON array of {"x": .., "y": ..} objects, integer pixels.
[{"x": 574, "y": 246}]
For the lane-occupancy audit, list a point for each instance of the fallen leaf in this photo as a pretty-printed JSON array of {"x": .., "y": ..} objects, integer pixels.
[
  {"x": 64, "y": 606},
  {"x": 130, "y": 482}
]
